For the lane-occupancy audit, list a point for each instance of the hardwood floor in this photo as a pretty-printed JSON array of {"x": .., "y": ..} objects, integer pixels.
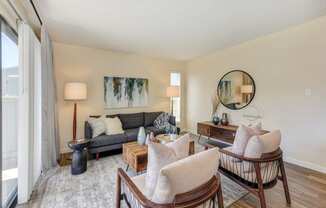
[{"x": 307, "y": 189}]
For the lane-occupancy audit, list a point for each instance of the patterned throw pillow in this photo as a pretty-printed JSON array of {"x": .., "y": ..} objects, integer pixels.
[
  {"x": 162, "y": 122},
  {"x": 97, "y": 125}
]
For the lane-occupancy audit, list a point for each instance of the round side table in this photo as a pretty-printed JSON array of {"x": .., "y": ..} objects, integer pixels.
[{"x": 79, "y": 155}]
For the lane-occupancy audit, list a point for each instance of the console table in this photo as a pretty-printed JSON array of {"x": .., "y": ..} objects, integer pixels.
[{"x": 218, "y": 135}]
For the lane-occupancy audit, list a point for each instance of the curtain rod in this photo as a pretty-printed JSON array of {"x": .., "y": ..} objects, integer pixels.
[{"x": 37, "y": 14}]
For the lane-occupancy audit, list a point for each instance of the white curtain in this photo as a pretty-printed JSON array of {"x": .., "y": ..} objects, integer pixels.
[
  {"x": 29, "y": 109},
  {"x": 50, "y": 134}
]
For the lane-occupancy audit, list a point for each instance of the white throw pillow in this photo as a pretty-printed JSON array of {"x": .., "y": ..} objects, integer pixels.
[
  {"x": 241, "y": 139},
  {"x": 180, "y": 146},
  {"x": 113, "y": 126},
  {"x": 97, "y": 125},
  {"x": 185, "y": 175},
  {"x": 159, "y": 155}
]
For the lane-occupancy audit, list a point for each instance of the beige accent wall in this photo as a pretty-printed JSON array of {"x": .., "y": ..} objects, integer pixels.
[
  {"x": 286, "y": 67},
  {"x": 75, "y": 63}
]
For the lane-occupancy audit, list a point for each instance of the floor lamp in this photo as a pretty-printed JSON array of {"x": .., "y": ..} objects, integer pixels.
[
  {"x": 172, "y": 91},
  {"x": 75, "y": 91}
]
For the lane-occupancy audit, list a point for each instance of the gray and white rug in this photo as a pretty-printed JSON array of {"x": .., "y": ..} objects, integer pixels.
[{"x": 96, "y": 187}]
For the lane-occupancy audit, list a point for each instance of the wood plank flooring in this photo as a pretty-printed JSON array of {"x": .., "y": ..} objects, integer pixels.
[{"x": 307, "y": 189}]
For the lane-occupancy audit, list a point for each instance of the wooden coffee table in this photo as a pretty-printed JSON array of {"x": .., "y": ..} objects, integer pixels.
[{"x": 135, "y": 155}]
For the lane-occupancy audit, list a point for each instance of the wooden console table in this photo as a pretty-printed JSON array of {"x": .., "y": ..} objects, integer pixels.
[{"x": 218, "y": 133}]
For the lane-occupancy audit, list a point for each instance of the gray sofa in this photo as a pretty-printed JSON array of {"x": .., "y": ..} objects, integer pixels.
[{"x": 130, "y": 125}]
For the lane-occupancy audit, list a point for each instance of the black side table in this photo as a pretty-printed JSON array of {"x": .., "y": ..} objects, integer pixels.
[{"x": 79, "y": 155}]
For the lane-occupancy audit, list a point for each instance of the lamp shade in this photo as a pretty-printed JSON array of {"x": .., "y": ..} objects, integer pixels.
[
  {"x": 247, "y": 89},
  {"x": 75, "y": 91},
  {"x": 173, "y": 91}
]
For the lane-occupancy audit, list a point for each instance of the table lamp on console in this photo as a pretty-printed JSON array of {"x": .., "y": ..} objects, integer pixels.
[{"x": 75, "y": 91}]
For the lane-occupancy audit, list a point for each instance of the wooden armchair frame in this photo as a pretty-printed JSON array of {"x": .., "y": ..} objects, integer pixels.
[
  {"x": 207, "y": 192},
  {"x": 273, "y": 164}
]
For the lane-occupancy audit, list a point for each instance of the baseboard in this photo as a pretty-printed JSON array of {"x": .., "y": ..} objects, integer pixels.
[{"x": 305, "y": 164}]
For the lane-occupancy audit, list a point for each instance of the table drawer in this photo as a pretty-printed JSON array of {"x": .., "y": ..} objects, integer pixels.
[{"x": 203, "y": 129}]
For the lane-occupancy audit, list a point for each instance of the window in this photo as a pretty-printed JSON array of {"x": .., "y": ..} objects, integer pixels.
[
  {"x": 9, "y": 104},
  {"x": 175, "y": 80}
]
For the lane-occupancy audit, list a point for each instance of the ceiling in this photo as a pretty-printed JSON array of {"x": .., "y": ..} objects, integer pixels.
[{"x": 177, "y": 29}]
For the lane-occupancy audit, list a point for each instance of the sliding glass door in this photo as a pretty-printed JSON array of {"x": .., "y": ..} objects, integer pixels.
[{"x": 9, "y": 107}]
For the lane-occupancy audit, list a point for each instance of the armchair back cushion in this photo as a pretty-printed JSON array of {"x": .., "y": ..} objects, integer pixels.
[
  {"x": 271, "y": 141},
  {"x": 149, "y": 118},
  {"x": 185, "y": 175}
]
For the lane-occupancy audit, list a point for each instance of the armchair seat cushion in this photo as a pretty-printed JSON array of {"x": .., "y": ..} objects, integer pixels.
[
  {"x": 132, "y": 134},
  {"x": 104, "y": 140}
]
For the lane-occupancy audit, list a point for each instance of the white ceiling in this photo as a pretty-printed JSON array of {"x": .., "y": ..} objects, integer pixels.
[{"x": 178, "y": 29}]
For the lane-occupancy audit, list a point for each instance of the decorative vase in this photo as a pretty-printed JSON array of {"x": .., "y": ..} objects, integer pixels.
[
  {"x": 225, "y": 120},
  {"x": 141, "y": 138},
  {"x": 147, "y": 139},
  {"x": 216, "y": 119}
]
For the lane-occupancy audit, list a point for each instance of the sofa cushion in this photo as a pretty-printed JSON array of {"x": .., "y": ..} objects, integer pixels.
[
  {"x": 185, "y": 175},
  {"x": 155, "y": 130},
  {"x": 104, "y": 140},
  {"x": 149, "y": 118},
  {"x": 132, "y": 120},
  {"x": 132, "y": 134}
]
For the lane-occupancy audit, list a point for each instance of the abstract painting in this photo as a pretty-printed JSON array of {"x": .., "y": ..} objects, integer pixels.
[{"x": 124, "y": 92}]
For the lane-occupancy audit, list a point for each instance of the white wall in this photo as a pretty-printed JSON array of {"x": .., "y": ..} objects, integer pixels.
[
  {"x": 284, "y": 65},
  {"x": 75, "y": 63}
]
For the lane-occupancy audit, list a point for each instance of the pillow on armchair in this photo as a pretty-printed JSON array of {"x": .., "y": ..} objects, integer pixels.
[
  {"x": 186, "y": 174},
  {"x": 160, "y": 155},
  {"x": 242, "y": 137}
]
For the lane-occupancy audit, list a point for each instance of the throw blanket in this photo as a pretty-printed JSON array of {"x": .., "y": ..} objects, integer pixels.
[{"x": 162, "y": 122}]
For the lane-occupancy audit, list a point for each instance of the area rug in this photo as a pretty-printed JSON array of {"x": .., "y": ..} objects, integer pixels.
[{"x": 96, "y": 187}]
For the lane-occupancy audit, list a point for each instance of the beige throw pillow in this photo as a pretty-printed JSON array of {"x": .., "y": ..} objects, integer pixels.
[
  {"x": 185, "y": 175},
  {"x": 97, "y": 125},
  {"x": 159, "y": 155},
  {"x": 113, "y": 126}
]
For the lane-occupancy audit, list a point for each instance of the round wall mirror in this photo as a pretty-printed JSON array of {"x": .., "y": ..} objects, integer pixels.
[{"x": 236, "y": 89}]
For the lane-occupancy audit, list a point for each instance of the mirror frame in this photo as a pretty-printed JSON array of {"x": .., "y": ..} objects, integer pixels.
[{"x": 253, "y": 82}]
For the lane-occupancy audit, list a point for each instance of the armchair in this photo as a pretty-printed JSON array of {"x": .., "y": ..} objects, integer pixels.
[
  {"x": 180, "y": 184},
  {"x": 255, "y": 174}
]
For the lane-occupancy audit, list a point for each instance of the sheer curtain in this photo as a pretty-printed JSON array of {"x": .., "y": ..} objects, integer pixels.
[
  {"x": 50, "y": 134},
  {"x": 29, "y": 110}
]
